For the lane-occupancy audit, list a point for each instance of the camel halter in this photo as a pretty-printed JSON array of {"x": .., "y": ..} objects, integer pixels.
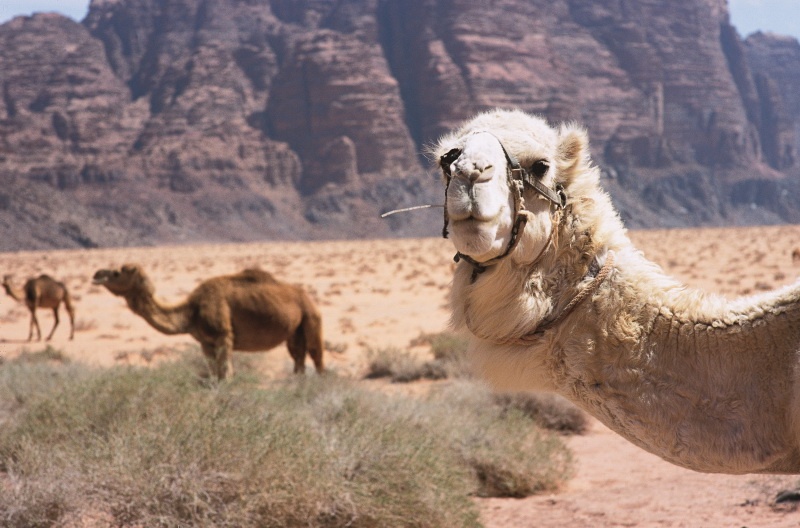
[
  {"x": 599, "y": 275},
  {"x": 518, "y": 178}
]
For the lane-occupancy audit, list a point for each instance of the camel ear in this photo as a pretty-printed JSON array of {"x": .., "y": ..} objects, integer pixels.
[
  {"x": 129, "y": 269},
  {"x": 573, "y": 150}
]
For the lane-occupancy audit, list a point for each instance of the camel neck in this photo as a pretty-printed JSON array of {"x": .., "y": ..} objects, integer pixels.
[
  {"x": 15, "y": 293},
  {"x": 166, "y": 319}
]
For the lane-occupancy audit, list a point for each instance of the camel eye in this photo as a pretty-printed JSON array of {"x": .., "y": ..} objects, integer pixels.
[
  {"x": 448, "y": 158},
  {"x": 540, "y": 168}
]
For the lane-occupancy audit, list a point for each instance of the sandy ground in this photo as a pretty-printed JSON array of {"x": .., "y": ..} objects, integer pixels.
[
  {"x": 372, "y": 294},
  {"x": 385, "y": 293}
]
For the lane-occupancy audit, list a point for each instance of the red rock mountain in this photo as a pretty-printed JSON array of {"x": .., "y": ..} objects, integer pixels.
[{"x": 167, "y": 121}]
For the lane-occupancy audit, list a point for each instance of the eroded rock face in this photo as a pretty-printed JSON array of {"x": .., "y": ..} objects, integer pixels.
[
  {"x": 159, "y": 121},
  {"x": 775, "y": 62}
]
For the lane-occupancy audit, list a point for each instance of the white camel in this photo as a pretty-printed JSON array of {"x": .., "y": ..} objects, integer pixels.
[{"x": 556, "y": 298}]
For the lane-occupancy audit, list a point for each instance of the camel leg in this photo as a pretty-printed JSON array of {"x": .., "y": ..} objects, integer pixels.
[
  {"x": 71, "y": 312},
  {"x": 34, "y": 324},
  {"x": 297, "y": 349},
  {"x": 219, "y": 361},
  {"x": 315, "y": 351},
  {"x": 211, "y": 359},
  {"x": 313, "y": 344},
  {"x": 55, "y": 315},
  {"x": 224, "y": 363}
]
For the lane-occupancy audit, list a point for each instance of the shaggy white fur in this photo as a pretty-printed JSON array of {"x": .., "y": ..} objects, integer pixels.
[{"x": 703, "y": 382}]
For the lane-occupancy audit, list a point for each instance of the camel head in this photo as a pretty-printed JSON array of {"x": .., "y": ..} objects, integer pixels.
[
  {"x": 13, "y": 290},
  {"x": 502, "y": 166},
  {"x": 127, "y": 280}
]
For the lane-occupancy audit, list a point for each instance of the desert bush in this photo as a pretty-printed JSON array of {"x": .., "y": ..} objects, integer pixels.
[
  {"x": 400, "y": 366},
  {"x": 449, "y": 360},
  {"x": 449, "y": 351},
  {"x": 48, "y": 353},
  {"x": 26, "y": 379},
  {"x": 85, "y": 325},
  {"x": 158, "y": 446},
  {"x": 447, "y": 346},
  {"x": 509, "y": 455},
  {"x": 547, "y": 410},
  {"x": 337, "y": 347}
]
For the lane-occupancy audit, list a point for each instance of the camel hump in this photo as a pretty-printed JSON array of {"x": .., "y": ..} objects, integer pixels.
[{"x": 255, "y": 275}]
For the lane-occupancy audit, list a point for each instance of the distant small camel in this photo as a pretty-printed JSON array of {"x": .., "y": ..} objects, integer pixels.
[
  {"x": 249, "y": 311},
  {"x": 42, "y": 292},
  {"x": 796, "y": 255}
]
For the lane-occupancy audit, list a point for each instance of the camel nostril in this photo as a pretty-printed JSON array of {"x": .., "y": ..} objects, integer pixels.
[
  {"x": 475, "y": 175},
  {"x": 471, "y": 175}
]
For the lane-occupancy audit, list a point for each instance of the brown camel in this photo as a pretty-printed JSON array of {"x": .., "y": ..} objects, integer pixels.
[
  {"x": 42, "y": 292},
  {"x": 249, "y": 311}
]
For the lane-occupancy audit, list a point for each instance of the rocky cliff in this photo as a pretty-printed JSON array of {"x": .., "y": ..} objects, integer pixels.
[{"x": 158, "y": 121}]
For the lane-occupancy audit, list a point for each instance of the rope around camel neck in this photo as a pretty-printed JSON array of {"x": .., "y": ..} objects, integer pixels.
[{"x": 536, "y": 333}]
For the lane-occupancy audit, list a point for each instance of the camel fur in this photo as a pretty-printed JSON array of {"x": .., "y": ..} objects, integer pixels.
[
  {"x": 42, "y": 292},
  {"x": 706, "y": 383},
  {"x": 248, "y": 311}
]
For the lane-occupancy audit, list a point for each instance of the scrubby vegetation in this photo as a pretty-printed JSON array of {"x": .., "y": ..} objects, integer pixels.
[
  {"x": 132, "y": 446},
  {"x": 401, "y": 366},
  {"x": 448, "y": 353},
  {"x": 547, "y": 410}
]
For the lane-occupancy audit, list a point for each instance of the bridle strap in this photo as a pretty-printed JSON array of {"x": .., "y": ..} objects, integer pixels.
[
  {"x": 515, "y": 173},
  {"x": 480, "y": 267},
  {"x": 600, "y": 274},
  {"x": 556, "y": 197}
]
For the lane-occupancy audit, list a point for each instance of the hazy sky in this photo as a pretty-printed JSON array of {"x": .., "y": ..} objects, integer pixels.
[
  {"x": 778, "y": 16},
  {"x": 72, "y": 8}
]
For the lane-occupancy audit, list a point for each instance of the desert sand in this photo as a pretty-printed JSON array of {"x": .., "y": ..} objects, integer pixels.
[{"x": 385, "y": 293}]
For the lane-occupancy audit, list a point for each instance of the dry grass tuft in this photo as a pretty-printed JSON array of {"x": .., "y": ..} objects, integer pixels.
[
  {"x": 85, "y": 325},
  {"x": 335, "y": 347},
  {"x": 547, "y": 410},
  {"x": 48, "y": 353},
  {"x": 509, "y": 455},
  {"x": 449, "y": 360},
  {"x": 400, "y": 366},
  {"x": 157, "y": 446}
]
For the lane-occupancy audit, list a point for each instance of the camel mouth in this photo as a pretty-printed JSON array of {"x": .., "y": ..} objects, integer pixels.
[
  {"x": 474, "y": 221},
  {"x": 100, "y": 278},
  {"x": 467, "y": 205},
  {"x": 474, "y": 225},
  {"x": 474, "y": 237}
]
